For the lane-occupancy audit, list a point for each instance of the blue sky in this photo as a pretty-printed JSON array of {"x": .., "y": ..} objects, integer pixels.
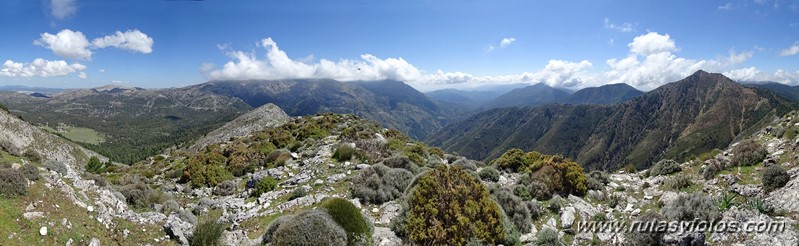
[{"x": 428, "y": 44}]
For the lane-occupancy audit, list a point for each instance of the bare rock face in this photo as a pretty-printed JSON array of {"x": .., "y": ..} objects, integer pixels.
[{"x": 258, "y": 119}]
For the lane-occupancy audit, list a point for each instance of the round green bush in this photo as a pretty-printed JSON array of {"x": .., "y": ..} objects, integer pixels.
[
  {"x": 489, "y": 174},
  {"x": 311, "y": 228},
  {"x": 349, "y": 217},
  {"x": 748, "y": 152},
  {"x": 378, "y": 184},
  {"x": 774, "y": 177},
  {"x": 269, "y": 233},
  {"x": 30, "y": 172},
  {"x": 447, "y": 206},
  {"x": 264, "y": 185},
  {"x": 12, "y": 183}
]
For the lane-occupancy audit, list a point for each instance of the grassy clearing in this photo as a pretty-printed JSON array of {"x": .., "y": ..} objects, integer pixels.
[{"x": 83, "y": 135}]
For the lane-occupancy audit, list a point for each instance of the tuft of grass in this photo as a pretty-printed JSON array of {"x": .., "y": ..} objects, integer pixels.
[{"x": 208, "y": 233}]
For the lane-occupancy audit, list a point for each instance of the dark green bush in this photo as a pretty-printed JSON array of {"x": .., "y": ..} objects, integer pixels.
[
  {"x": 207, "y": 233},
  {"x": 226, "y": 188},
  {"x": 516, "y": 210},
  {"x": 269, "y": 233},
  {"x": 447, "y": 206},
  {"x": 774, "y": 177},
  {"x": 98, "y": 180},
  {"x": 278, "y": 157},
  {"x": 266, "y": 184},
  {"x": 691, "y": 206},
  {"x": 32, "y": 155},
  {"x": 489, "y": 174},
  {"x": 206, "y": 170},
  {"x": 378, "y": 184},
  {"x": 664, "y": 167},
  {"x": 748, "y": 152},
  {"x": 535, "y": 210},
  {"x": 522, "y": 192},
  {"x": 649, "y": 236},
  {"x": 141, "y": 196},
  {"x": 95, "y": 165},
  {"x": 30, "y": 172},
  {"x": 349, "y": 217},
  {"x": 12, "y": 183},
  {"x": 312, "y": 228},
  {"x": 344, "y": 152}
]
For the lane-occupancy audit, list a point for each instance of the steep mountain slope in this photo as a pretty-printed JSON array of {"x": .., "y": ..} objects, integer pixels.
[
  {"x": 688, "y": 117},
  {"x": 136, "y": 122},
  {"x": 530, "y": 96},
  {"x": 258, "y": 119},
  {"x": 466, "y": 99},
  {"x": 787, "y": 91},
  {"x": 606, "y": 94},
  {"x": 392, "y": 103}
]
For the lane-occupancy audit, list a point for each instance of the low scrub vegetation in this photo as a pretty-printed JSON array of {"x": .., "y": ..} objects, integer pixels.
[
  {"x": 559, "y": 175},
  {"x": 378, "y": 184},
  {"x": 747, "y": 153},
  {"x": 664, "y": 167},
  {"x": 774, "y": 177},
  {"x": 12, "y": 183},
  {"x": 688, "y": 207},
  {"x": 309, "y": 228},
  {"x": 349, "y": 217},
  {"x": 207, "y": 233}
]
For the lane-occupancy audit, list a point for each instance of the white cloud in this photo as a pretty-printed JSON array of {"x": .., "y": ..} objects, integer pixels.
[
  {"x": 727, "y": 6},
  {"x": 83, "y": 75},
  {"x": 132, "y": 40},
  {"x": 744, "y": 74},
  {"x": 277, "y": 65},
  {"x": 66, "y": 44},
  {"x": 40, "y": 68},
  {"x": 652, "y": 43},
  {"x": 738, "y": 58},
  {"x": 101, "y": 70},
  {"x": 506, "y": 41},
  {"x": 793, "y": 50},
  {"x": 624, "y": 27},
  {"x": 61, "y": 9}
]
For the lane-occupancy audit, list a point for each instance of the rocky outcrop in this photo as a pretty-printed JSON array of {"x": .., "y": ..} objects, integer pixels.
[{"x": 263, "y": 117}]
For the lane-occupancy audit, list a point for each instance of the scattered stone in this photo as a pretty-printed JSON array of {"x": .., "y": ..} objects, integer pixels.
[
  {"x": 375, "y": 210},
  {"x": 94, "y": 242},
  {"x": 32, "y": 215},
  {"x": 43, "y": 231},
  {"x": 90, "y": 209},
  {"x": 361, "y": 166},
  {"x": 636, "y": 212},
  {"x": 335, "y": 178},
  {"x": 318, "y": 182},
  {"x": 748, "y": 190},
  {"x": 383, "y": 236},
  {"x": 567, "y": 217}
]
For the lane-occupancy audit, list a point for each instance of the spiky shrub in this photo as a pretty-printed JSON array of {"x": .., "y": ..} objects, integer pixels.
[
  {"x": 349, "y": 217},
  {"x": 725, "y": 201},
  {"x": 679, "y": 182},
  {"x": 226, "y": 188},
  {"x": 516, "y": 210},
  {"x": 264, "y": 185},
  {"x": 271, "y": 228},
  {"x": 12, "y": 183},
  {"x": 311, "y": 227},
  {"x": 58, "y": 167},
  {"x": 207, "y": 233},
  {"x": 30, "y": 172},
  {"x": 748, "y": 152},
  {"x": 344, "y": 152},
  {"x": 465, "y": 164},
  {"x": 548, "y": 237},
  {"x": 664, "y": 167},
  {"x": 489, "y": 174},
  {"x": 691, "y": 206},
  {"x": 759, "y": 205},
  {"x": 647, "y": 236},
  {"x": 401, "y": 161},
  {"x": 774, "y": 177},
  {"x": 378, "y": 184},
  {"x": 449, "y": 206}
]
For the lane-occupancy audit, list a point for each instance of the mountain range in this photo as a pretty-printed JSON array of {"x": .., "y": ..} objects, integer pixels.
[{"x": 678, "y": 120}]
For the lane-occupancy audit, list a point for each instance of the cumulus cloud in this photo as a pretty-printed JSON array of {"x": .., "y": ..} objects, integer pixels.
[
  {"x": 793, "y": 50},
  {"x": 66, "y": 44},
  {"x": 132, "y": 40},
  {"x": 506, "y": 41},
  {"x": 744, "y": 74},
  {"x": 727, "y": 6},
  {"x": 61, "y": 9},
  {"x": 738, "y": 58},
  {"x": 624, "y": 27},
  {"x": 652, "y": 43},
  {"x": 277, "y": 65},
  {"x": 40, "y": 68},
  {"x": 74, "y": 45}
]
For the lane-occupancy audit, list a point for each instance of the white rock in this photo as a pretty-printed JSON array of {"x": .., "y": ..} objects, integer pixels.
[
  {"x": 636, "y": 212},
  {"x": 43, "y": 231},
  {"x": 90, "y": 208},
  {"x": 567, "y": 217},
  {"x": 375, "y": 210},
  {"x": 94, "y": 242}
]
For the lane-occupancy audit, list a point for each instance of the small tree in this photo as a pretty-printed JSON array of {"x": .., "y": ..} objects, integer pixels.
[{"x": 95, "y": 165}]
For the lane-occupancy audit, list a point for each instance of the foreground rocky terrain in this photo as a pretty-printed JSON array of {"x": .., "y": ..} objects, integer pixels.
[{"x": 250, "y": 174}]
